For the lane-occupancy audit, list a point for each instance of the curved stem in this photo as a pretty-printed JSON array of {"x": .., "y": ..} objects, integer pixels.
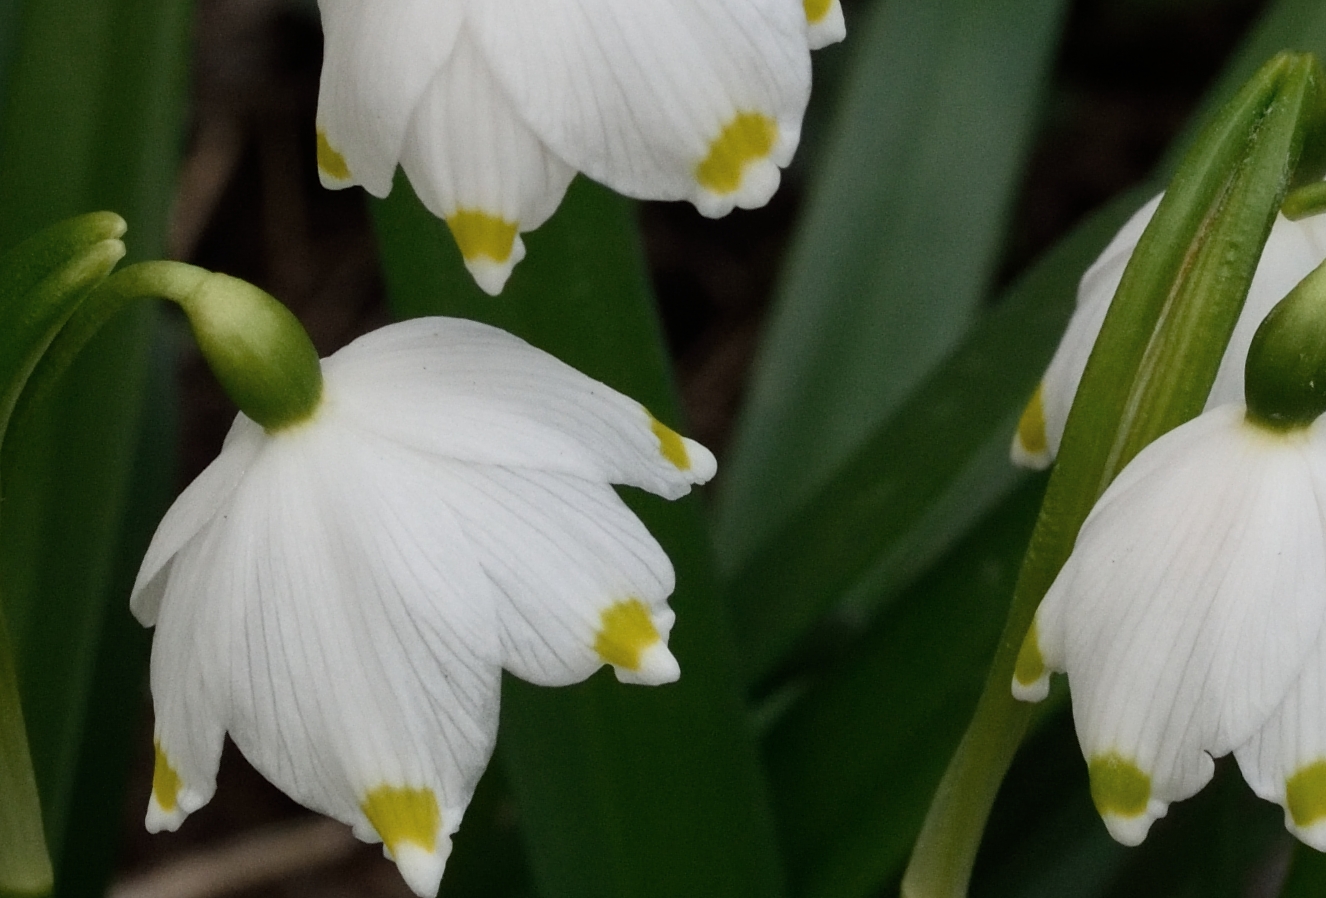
[
  {"x": 1151, "y": 370},
  {"x": 146, "y": 280}
]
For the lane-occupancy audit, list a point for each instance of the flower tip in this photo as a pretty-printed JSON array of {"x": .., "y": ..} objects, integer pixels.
[
  {"x": 1031, "y": 446},
  {"x": 826, "y": 24},
  {"x": 703, "y": 465},
  {"x": 333, "y": 171},
  {"x": 1022, "y": 457},
  {"x": 1122, "y": 793},
  {"x": 1035, "y": 691},
  {"x": 420, "y": 868},
  {"x": 656, "y": 667},
  {"x": 1131, "y": 831},
  {"x": 159, "y": 819},
  {"x": 1031, "y": 675},
  {"x": 490, "y": 274},
  {"x": 759, "y": 182}
]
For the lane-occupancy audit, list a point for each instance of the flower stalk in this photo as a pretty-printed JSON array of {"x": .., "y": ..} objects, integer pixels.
[
  {"x": 1152, "y": 368},
  {"x": 255, "y": 347}
]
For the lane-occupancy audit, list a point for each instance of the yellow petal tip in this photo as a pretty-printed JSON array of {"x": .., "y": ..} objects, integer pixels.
[
  {"x": 165, "y": 782},
  {"x": 626, "y": 631},
  {"x": 670, "y": 444},
  {"x": 747, "y": 138},
  {"x": 481, "y": 235},
  {"x": 1305, "y": 794},
  {"x": 331, "y": 164}
]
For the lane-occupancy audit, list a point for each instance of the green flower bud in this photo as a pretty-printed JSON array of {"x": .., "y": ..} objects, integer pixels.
[
  {"x": 257, "y": 349},
  {"x": 1285, "y": 374}
]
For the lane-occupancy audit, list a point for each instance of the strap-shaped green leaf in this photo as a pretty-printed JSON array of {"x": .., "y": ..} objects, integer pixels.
[
  {"x": 921, "y": 478},
  {"x": 901, "y": 234},
  {"x": 854, "y": 761},
  {"x": 93, "y": 104},
  {"x": 622, "y": 791},
  {"x": 41, "y": 283}
]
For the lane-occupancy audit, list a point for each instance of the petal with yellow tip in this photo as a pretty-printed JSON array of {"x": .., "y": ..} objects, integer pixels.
[
  {"x": 825, "y": 23},
  {"x": 478, "y": 166},
  {"x": 665, "y": 100},
  {"x": 377, "y": 60}
]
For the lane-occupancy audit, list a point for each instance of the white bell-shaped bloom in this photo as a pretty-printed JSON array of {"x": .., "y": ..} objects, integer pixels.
[
  {"x": 1189, "y": 619},
  {"x": 492, "y": 106},
  {"x": 1293, "y": 249},
  {"x": 341, "y": 595}
]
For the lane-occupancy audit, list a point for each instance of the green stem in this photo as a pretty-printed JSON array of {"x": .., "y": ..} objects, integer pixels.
[
  {"x": 25, "y": 867},
  {"x": 253, "y": 344},
  {"x": 1151, "y": 369}
]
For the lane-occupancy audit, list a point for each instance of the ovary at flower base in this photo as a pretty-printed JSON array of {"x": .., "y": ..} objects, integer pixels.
[
  {"x": 492, "y": 106},
  {"x": 1293, "y": 249},
  {"x": 1191, "y": 613},
  {"x": 341, "y": 592}
]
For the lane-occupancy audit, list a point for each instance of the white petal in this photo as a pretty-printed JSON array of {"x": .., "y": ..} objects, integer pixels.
[
  {"x": 1070, "y": 359},
  {"x": 197, "y": 505},
  {"x": 640, "y": 94},
  {"x": 361, "y": 650},
  {"x": 459, "y": 389},
  {"x": 475, "y": 164},
  {"x": 1189, "y": 605},
  {"x": 1285, "y": 761},
  {"x": 187, "y": 652},
  {"x": 825, "y": 21},
  {"x": 378, "y": 58},
  {"x": 575, "y": 568},
  {"x": 1293, "y": 250}
]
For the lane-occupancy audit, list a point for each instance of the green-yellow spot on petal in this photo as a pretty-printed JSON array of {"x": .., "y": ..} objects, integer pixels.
[
  {"x": 1118, "y": 786},
  {"x": 670, "y": 444},
  {"x": 165, "y": 782},
  {"x": 331, "y": 163},
  {"x": 624, "y": 633},
  {"x": 1031, "y": 426},
  {"x": 816, "y": 9},
  {"x": 1030, "y": 665},
  {"x": 748, "y": 137},
  {"x": 482, "y": 236},
  {"x": 403, "y": 815},
  {"x": 1305, "y": 794}
]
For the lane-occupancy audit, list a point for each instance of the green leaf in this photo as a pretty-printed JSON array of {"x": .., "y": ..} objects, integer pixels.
[
  {"x": 622, "y": 791},
  {"x": 74, "y": 256},
  {"x": 92, "y": 115},
  {"x": 851, "y": 782},
  {"x": 922, "y": 477},
  {"x": 1307, "y": 873},
  {"x": 900, "y": 237}
]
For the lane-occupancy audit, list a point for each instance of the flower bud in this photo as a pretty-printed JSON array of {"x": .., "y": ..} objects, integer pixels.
[
  {"x": 257, "y": 349},
  {"x": 1285, "y": 375}
]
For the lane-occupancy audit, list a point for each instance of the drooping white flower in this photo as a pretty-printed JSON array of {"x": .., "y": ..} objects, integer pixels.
[
  {"x": 492, "y": 106},
  {"x": 1293, "y": 249},
  {"x": 1189, "y": 619},
  {"x": 341, "y": 595}
]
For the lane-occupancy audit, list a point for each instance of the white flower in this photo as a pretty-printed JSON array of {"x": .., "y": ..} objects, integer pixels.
[
  {"x": 340, "y": 596},
  {"x": 491, "y": 106},
  {"x": 1293, "y": 249},
  {"x": 1189, "y": 620}
]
